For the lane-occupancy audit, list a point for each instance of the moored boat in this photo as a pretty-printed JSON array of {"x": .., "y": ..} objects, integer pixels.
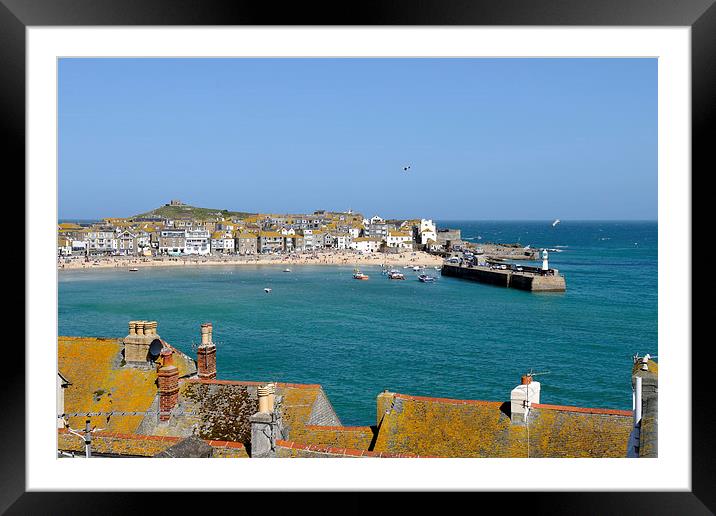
[
  {"x": 359, "y": 275},
  {"x": 133, "y": 269},
  {"x": 425, "y": 278},
  {"x": 396, "y": 275}
]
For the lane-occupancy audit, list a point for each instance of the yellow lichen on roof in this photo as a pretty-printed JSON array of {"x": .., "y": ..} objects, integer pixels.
[
  {"x": 356, "y": 438},
  {"x": 99, "y": 384},
  {"x": 297, "y": 405},
  {"x": 116, "y": 445},
  {"x": 454, "y": 428},
  {"x": 68, "y": 226}
]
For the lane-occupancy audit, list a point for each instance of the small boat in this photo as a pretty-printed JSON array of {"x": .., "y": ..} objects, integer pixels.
[
  {"x": 267, "y": 290},
  {"x": 416, "y": 268},
  {"x": 396, "y": 275},
  {"x": 133, "y": 269},
  {"x": 556, "y": 221},
  {"x": 437, "y": 267},
  {"x": 287, "y": 270},
  {"x": 425, "y": 278},
  {"x": 359, "y": 275}
]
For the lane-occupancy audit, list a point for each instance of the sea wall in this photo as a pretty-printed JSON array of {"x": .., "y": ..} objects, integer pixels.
[{"x": 507, "y": 278}]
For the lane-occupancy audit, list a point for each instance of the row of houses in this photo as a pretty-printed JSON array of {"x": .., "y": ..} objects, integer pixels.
[{"x": 255, "y": 234}]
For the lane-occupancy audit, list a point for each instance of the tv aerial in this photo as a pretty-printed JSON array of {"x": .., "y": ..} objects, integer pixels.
[{"x": 532, "y": 373}]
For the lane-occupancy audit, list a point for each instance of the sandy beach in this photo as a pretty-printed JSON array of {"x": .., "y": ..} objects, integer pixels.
[{"x": 348, "y": 258}]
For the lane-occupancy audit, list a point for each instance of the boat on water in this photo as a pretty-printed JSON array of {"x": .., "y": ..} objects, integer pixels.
[
  {"x": 359, "y": 275},
  {"x": 425, "y": 278},
  {"x": 267, "y": 290},
  {"x": 556, "y": 221},
  {"x": 396, "y": 275},
  {"x": 287, "y": 270},
  {"x": 133, "y": 269},
  {"x": 416, "y": 267}
]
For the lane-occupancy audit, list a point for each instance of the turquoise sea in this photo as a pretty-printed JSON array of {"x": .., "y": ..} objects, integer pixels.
[{"x": 452, "y": 338}]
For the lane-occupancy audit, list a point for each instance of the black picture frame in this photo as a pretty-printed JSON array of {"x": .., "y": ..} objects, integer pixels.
[{"x": 700, "y": 15}]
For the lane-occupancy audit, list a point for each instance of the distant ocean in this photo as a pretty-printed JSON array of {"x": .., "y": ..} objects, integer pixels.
[{"x": 451, "y": 338}]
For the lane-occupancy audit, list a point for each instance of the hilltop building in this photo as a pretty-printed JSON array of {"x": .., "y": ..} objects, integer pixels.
[{"x": 153, "y": 400}]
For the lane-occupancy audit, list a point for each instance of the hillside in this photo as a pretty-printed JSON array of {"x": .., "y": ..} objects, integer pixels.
[{"x": 186, "y": 211}]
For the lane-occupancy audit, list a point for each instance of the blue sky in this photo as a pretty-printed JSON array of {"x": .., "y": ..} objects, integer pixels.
[{"x": 485, "y": 138}]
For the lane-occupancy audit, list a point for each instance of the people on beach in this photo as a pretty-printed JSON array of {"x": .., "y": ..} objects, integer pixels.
[{"x": 327, "y": 257}]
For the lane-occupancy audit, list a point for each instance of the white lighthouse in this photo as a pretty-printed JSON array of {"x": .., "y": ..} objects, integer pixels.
[{"x": 545, "y": 265}]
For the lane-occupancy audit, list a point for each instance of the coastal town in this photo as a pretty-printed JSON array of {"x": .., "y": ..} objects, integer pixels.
[{"x": 177, "y": 233}]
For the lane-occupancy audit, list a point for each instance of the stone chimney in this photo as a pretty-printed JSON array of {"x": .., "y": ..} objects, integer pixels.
[
  {"x": 168, "y": 379},
  {"x": 522, "y": 398},
  {"x": 265, "y": 424},
  {"x": 138, "y": 341},
  {"x": 206, "y": 354}
]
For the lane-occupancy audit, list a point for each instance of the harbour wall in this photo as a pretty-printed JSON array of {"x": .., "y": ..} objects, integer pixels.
[{"x": 507, "y": 278}]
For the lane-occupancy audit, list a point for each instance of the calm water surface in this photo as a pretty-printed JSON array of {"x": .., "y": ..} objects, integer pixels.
[{"x": 451, "y": 338}]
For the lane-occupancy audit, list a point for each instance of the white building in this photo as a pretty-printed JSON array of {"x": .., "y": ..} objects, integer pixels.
[
  {"x": 101, "y": 241},
  {"x": 366, "y": 244},
  {"x": 80, "y": 246},
  {"x": 340, "y": 240},
  {"x": 197, "y": 241},
  {"x": 144, "y": 243},
  {"x": 64, "y": 246},
  {"x": 127, "y": 243},
  {"x": 427, "y": 231},
  {"x": 399, "y": 239},
  {"x": 354, "y": 231}
]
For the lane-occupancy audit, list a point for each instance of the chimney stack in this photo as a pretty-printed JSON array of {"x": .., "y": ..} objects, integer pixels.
[
  {"x": 137, "y": 342},
  {"x": 522, "y": 397},
  {"x": 206, "y": 354},
  {"x": 168, "y": 378},
  {"x": 265, "y": 424},
  {"x": 272, "y": 395},
  {"x": 265, "y": 399}
]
